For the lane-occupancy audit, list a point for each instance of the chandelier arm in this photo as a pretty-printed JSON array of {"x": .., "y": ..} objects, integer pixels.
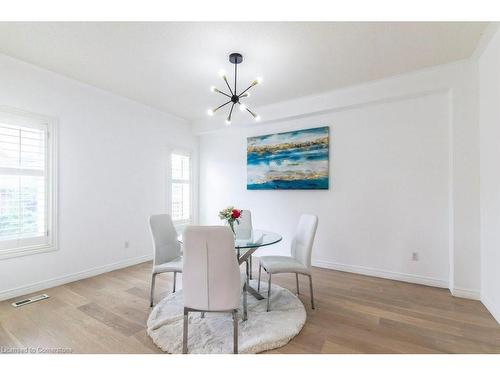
[
  {"x": 223, "y": 93},
  {"x": 248, "y": 88},
  {"x": 222, "y": 105},
  {"x": 252, "y": 113},
  {"x": 231, "y": 111},
  {"x": 227, "y": 83}
]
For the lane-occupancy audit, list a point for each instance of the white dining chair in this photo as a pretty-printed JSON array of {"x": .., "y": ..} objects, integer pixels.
[
  {"x": 243, "y": 230},
  {"x": 167, "y": 249},
  {"x": 211, "y": 280},
  {"x": 300, "y": 260}
]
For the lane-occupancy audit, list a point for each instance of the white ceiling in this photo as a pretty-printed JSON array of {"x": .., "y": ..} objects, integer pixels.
[{"x": 171, "y": 66}]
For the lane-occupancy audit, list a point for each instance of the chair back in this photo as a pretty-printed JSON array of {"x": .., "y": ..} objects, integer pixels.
[
  {"x": 165, "y": 243},
  {"x": 243, "y": 230},
  {"x": 303, "y": 240},
  {"x": 211, "y": 274}
]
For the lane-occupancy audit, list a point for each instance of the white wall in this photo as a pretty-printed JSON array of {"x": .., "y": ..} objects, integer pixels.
[
  {"x": 388, "y": 195},
  {"x": 112, "y": 175},
  {"x": 404, "y": 177},
  {"x": 489, "y": 73}
]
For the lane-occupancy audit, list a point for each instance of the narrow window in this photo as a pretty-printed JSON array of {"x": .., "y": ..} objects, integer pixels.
[{"x": 181, "y": 188}]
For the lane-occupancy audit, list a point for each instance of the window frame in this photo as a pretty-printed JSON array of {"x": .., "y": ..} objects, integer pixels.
[
  {"x": 49, "y": 125},
  {"x": 179, "y": 224}
]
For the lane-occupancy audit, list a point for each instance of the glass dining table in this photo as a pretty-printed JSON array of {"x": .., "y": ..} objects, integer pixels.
[{"x": 245, "y": 247}]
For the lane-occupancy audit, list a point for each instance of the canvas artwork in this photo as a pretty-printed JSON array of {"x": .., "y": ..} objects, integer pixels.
[{"x": 292, "y": 160}]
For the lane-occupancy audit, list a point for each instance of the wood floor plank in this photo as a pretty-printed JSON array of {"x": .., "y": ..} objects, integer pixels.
[
  {"x": 139, "y": 292},
  {"x": 8, "y": 339},
  {"x": 330, "y": 347},
  {"x": 112, "y": 320},
  {"x": 27, "y": 332}
]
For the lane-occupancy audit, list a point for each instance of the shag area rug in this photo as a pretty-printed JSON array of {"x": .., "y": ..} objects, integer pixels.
[{"x": 214, "y": 334}]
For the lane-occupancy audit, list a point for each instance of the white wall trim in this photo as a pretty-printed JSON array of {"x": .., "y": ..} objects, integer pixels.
[
  {"x": 451, "y": 206},
  {"x": 385, "y": 274},
  {"x": 405, "y": 277},
  {"x": 392, "y": 98},
  {"x": 485, "y": 39},
  {"x": 466, "y": 293},
  {"x": 491, "y": 308},
  {"x": 50, "y": 283}
]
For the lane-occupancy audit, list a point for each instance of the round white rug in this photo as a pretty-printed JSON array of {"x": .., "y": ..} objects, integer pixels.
[{"x": 214, "y": 334}]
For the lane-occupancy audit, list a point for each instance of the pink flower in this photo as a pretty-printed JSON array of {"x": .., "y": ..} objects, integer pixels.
[{"x": 235, "y": 214}]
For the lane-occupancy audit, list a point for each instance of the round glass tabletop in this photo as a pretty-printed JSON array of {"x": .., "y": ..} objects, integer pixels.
[{"x": 258, "y": 238}]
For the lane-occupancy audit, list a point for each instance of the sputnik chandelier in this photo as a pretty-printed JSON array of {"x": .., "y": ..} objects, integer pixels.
[{"x": 234, "y": 97}]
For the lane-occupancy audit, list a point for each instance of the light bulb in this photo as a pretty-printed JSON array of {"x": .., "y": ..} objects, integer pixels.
[
  {"x": 257, "y": 118},
  {"x": 248, "y": 94},
  {"x": 210, "y": 112},
  {"x": 222, "y": 73},
  {"x": 243, "y": 107},
  {"x": 228, "y": 121},
  {"x": 256, "y": 81},
  {"x": 213, "y": 89}
]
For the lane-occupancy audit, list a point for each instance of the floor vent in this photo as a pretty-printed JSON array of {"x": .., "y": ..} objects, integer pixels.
[{"x": 30, "y": 300}]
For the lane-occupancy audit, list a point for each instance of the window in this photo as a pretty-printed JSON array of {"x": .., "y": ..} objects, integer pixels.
[
  {"x": 26, "y": 184},
  {"x": 181, "y": 187}
]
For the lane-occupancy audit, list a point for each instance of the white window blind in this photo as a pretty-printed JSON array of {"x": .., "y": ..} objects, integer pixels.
[
  {"x": 181, "y": 188},
  {"x": 25, "y": 186}
]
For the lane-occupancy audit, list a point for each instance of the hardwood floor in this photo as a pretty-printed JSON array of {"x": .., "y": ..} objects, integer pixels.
[{"x": 354, "y": 314}]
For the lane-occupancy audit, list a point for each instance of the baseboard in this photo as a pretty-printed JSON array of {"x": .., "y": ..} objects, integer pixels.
[
  {"x": 35, "y": 287},
  {"x": 493, "y": 311},
  {"x": 369, "y": 271},
  {"x": 466, "y": 293}
]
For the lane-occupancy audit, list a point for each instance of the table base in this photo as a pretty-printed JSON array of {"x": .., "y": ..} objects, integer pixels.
[{"x": 246, "y": 257}]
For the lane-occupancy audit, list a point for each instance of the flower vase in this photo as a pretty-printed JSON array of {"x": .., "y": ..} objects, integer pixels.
[{"x": 231, "y": 225}]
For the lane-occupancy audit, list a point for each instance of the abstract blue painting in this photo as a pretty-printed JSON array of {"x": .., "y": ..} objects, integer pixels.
[{"x": 292, "y": 160}]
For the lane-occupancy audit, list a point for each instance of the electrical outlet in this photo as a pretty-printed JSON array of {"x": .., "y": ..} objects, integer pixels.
[
  {"x": 414, "y": 256},
  {"x": 126, "y": 244}
]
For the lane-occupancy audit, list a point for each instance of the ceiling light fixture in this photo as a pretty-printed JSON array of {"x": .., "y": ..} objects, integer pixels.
[{"x": 234, "y": 97}]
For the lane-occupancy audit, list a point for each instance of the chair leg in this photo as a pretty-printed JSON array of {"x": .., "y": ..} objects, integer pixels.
[
  {"x": 153, "y": 278},
  {"x": 175, "y": 279},
  {"x": 235, "y": 331},
  {"x": 245, "y": 305},
  {"x": 269, "y": 294},
  {"x": 251, "y": 267},
  {"x": 185, "y": 333},
  {"x": 247, "y": 263},
  {"x": 297, "y": 279},
  {"x": 311, "y": 287},
  {"x": 203, "y": 315},
  {"x": 258, "y": 282}
]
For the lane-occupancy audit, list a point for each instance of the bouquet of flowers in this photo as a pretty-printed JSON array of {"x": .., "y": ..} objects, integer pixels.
[{"x": 230, "y": 215}]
